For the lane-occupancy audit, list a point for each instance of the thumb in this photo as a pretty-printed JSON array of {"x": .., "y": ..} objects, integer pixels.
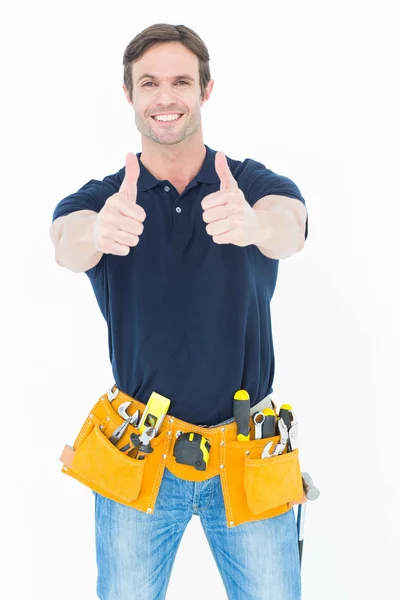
[
  {"x": 228, "y": 181},
  {"x": 132, "y": 172}
]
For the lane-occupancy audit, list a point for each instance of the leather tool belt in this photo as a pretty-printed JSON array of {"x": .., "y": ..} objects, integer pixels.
[{"x": 253, "y": 488}]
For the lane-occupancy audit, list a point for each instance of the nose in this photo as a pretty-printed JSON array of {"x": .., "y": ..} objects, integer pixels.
[{"x": 165, "y": 95}]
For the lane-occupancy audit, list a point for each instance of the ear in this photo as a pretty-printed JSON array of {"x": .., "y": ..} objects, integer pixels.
[
  {"x": 127, "y": 94},
  {"x": 207, "y": 91}
]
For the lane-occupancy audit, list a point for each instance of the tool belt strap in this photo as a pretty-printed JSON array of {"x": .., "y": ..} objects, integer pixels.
[{"x": 253, "y": 488}]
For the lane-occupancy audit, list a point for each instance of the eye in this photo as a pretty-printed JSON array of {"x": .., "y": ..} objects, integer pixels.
[{"x": 181, "y": 81}]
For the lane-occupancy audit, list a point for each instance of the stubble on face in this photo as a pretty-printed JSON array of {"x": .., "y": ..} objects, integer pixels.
[
  {"x": 167, "y": 62},
  {"x": 168, "y": 134}
]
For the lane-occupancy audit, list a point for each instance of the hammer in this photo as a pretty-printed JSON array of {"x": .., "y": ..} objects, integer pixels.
[{"x": 312, "y": 493}]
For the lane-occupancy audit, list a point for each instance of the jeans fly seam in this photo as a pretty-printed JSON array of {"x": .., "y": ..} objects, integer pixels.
[{"x": 201, "y": 510}]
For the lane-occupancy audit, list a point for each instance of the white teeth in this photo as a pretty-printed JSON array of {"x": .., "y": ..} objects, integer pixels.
[{"x": 167, "y": 117}]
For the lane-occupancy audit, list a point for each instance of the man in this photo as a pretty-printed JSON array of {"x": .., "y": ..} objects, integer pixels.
[{"x": 182, "y": 248}]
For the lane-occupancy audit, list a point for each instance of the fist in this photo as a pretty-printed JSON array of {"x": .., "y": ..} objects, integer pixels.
[
  {"x": 120, "y": 222},
  {"x": 230, "y": 218}
]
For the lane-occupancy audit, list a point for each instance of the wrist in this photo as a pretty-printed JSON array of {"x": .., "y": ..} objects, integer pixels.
[
  {"x": 262, "y": 229},
  {"x": 91, "y": 230}
]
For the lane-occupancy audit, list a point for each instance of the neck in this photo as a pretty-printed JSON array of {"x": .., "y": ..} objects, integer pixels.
[{"x": 178, "y": 163}]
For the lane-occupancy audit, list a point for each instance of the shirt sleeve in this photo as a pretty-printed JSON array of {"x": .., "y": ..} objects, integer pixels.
[
  {"x": 91, "y": 196},
  {"x": 263, "y": 182}
]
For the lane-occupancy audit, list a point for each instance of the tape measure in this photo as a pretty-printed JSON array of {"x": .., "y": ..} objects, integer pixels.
[{"x": 192, "y": 449}]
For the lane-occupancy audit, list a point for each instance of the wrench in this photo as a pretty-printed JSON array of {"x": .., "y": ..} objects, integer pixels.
[
  {"x": 112, "y": 394},
  {"x": 258, "y": 420},
  {"x": 283, "y": 430},
  {"x": 122, "y": 410}
]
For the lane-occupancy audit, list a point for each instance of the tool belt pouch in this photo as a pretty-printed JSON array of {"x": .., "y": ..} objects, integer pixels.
[
  {"x": 258, "y": 488},
  {"x": 101, "y": 466},
  {"x": 271, "y": 482}
]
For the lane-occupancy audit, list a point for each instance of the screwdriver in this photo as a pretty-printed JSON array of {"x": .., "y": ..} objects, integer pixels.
[
  {"x": 268, "y": 427},
  {"x": 241, "y": 412},
  {"x": 286, "y": 414}
]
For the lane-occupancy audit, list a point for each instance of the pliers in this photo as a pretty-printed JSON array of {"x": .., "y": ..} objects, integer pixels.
[
  {"x": 119, "y": 432},
  {"x": 141, "y": 442},
  {"x": 293, "y": 433},
  {"x": 284, "y": 433}
]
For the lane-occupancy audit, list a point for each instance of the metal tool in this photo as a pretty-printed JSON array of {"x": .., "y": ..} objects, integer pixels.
[
  {"x": 260, "y": 406},
  {"x": 141, "y": 442},
  {"x": 269, "y": 425},
  {"x": 285, "y": 413},
  {"x": 112, "y": 394},
  {"x": 312, "y": 493},
  {"x": 145, "y": 446},
  {"x": 310, "y": 489},
  {"x": 241, "y": 412},
  {"x": 258, "y": 420},
  {"x": 293, "y": 434},
  {"x": 125, "y": 415},
  {"x": 282, "y": 442},
  {"x": 133, "y": 420}
]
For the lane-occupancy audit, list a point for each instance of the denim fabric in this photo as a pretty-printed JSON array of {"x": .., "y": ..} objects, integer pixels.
[{"x": 135, "y": 551}]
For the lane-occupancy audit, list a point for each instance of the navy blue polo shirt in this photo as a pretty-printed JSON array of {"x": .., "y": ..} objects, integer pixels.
[{"x": 187, "y": 318}]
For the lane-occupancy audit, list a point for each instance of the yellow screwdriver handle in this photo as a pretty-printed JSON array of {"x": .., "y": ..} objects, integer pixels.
[{"x": 241, "y": 411}]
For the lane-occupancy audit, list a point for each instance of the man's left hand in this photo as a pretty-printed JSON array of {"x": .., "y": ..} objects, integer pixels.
[{"x": 230, "y": 218}]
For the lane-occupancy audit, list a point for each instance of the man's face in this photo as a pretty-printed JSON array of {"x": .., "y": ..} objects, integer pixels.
[{"x": 169, "y": 90}]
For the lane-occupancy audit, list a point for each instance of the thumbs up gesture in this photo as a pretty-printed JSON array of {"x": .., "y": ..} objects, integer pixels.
[
  {"x": 120, "y": 222},
  {"x": 230, "y": 218}
]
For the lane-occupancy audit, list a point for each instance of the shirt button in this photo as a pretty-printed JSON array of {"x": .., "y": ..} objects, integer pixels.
[
  {"x": 178, "y": 209},
  {"x": 167, "y": 188}
]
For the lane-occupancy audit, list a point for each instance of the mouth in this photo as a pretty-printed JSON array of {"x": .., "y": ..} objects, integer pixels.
[{"x": 167, "y": 122}]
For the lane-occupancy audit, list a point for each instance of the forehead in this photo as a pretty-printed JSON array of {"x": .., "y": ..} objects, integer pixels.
[{"x": 166, "y": 61}]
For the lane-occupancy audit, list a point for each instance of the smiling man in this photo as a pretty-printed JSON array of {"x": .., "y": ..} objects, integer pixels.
[{"x": 182, "y": 247}]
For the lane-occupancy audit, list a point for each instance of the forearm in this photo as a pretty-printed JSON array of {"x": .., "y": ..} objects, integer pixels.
[
  {"x": 76, "y": 249},
  {"x": 278, "y": 234}
]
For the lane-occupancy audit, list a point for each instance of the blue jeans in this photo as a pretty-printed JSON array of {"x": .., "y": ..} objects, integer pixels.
[{"x": 135, "y": 551}]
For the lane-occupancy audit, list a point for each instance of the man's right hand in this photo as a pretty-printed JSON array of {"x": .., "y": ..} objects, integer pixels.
[{"x": 120, "y": 222}]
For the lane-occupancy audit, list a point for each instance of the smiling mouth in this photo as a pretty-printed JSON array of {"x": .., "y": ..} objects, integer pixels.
[{"x": 168, "y": 122}]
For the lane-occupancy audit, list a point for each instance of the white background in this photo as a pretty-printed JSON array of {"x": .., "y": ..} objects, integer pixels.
[{"x": 308, "y": 89}]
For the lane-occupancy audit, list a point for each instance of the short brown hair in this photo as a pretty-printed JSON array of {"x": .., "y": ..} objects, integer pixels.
[{"x": 163, "y": 32}]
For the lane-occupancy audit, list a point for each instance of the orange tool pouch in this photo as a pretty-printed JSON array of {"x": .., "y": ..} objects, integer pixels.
[{"x": 253, "y": 488}]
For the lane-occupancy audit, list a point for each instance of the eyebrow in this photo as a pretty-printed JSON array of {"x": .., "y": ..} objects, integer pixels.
[{"x": 173, "y": 77}]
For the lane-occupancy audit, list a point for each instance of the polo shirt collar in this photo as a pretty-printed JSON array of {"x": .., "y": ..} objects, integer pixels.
[{"x": 207, "y": 173}]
